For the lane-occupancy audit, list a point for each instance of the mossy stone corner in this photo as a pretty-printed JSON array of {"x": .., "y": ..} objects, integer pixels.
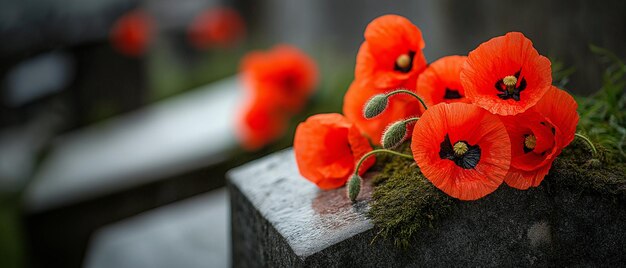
[{"x": 281, "y": 220}]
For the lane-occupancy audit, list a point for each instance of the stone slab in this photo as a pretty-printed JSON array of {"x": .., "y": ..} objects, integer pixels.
[
  {"x": 161, "y": 154},
  {"x": 188, "y": 132},
  {"x": 281, "y": 220},
  {"x": 189, "y": 233}
]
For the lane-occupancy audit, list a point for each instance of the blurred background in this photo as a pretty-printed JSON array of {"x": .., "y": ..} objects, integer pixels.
[{"x": 117, "y": 117}]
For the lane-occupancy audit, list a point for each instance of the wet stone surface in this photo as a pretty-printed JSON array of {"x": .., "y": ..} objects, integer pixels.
[{"x": 281, "y": 220}]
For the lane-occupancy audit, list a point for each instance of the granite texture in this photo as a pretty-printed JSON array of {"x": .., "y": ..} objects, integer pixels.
[{"x": 281, "y": 220}]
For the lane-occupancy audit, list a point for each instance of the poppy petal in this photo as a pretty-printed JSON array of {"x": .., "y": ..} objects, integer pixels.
[
  {"x": 400, "y": 107},
  {"x": 560, "y": 107},
  {"x": 461, "y": 123},
  {"x": 522, "y": 180},
  {"x": 441, "y": 81},
  {"x": 388, "y": 38},
  {"x": 283, "y": 75},
  {"x": 510, "y": 55},
  {"x": 327, "y": 147},
  {"x": 259, "y": 125}
]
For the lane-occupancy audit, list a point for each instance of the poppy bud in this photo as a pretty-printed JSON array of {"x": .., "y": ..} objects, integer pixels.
[
  {"x": 394, "y": 135},
  {"x": 375, "y": 106},
  {"x": 354, "y": 187}
]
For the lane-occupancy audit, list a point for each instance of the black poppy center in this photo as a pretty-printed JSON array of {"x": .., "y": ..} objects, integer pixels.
[
  {"x": 513, "y": 90},
  {"x": 452, "y": 94},
  {"x": 461, "y": 153},
  {"x": 404, "y": 62}
]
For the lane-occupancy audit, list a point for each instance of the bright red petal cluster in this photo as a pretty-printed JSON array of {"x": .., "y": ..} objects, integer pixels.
[
  {"x": 391, "y": 55},
  {"x": 390, "y": 58},
  {"x": 462, "y": 149},
  {"x": 506, "y": 75},
  {"x": 278, "y": 84},
  {"x": 538, "y": 136},
  {"x": 400, "y": 107},
  {"x": 441, "y": 81},
  {"x": 327, "y": 148},
  {"x": 492, "y": 116}
]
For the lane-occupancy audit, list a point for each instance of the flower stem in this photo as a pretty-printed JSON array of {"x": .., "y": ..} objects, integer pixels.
[
  {"x": 411, "y": 120},
  {"x": 589, "y": 143},
  {"x": 368, "y": 154},
  {"x": 354, "y": 183},
  {"x": 404, "y": 91}
]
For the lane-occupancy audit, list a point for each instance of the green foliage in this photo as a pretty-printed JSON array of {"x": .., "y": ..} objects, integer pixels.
[
  {"x": 603, "y": 115},
  {"x": 577, "y": 169},
  {"x": 561, "y": 74},
  {"x": 404, "y": 201}
]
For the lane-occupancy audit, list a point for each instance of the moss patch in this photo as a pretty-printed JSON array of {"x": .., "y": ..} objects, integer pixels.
[
  {"x": 404, "y": 201},
  {"x": 574, "y": 169}
]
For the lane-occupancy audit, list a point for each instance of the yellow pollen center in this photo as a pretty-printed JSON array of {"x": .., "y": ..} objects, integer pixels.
[
  {"x": 509, "y": 81},
  {"x": 530, "y": 141},
  {"x": 403, "y": 61},
  {"x": 460, "y": 148}
]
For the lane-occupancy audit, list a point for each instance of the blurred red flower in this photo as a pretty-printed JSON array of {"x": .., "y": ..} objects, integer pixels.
[
  {"x": 260, "y": 124},
  {"x": 441, "y": 81},
  {"x": 400, "y": 106},
  {"x": 131, "y": 33},
  {"x": 506, "y": 75},
  {"x": 278, "y": 83},
  {"x": 216, "y": 27},
  {"x": 538, "y": 136},
  {"x": 462, "y": 149},
  {"x": 283, "y": 75},
  {"x": 391, "y": 55},
  {"x": 327, "y": 148}
]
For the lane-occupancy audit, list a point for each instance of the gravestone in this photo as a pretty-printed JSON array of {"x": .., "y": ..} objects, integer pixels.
[
  {"x": 189, "y": 233},
  {"x": 162, "y": 153},
  {"x": 281, "y": 220}
]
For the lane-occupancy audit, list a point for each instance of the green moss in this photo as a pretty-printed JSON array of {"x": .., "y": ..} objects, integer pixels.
[
  {"x": 576, "y": 170},
  {"x": 404, "y": 201}
]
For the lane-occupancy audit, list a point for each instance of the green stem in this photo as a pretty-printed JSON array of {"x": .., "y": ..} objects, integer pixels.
[
  {"x": 410, "y": 120},
  {"x": 404, "y": 91},
  {"x": 368, "y": 154},
  {"x": 588, "y": 141}
]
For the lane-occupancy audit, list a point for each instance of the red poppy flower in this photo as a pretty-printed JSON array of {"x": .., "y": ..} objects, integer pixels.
[
  {"x": 462, "y": 149},
  {"x": 538, "y": 136},
  {"x": 131, "y": 33},
  {"x": 400, "y": 106},
  {"x": 221, "y": 27},
  {"x": 441, "y": 81},
  {"x": 327, "y": 148},
  {"x": 283, "y": 75},
  {"x": 506, "y": 75},
  {"x": 391, "y": 55},
  {"x": 260, "y": 124}
]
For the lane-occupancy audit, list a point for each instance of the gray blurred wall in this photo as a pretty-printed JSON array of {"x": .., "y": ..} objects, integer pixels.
[{"x": 561, "y": 29}]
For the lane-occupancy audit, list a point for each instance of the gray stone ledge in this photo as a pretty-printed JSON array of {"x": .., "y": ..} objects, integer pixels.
[{"x": 281, "y": 220}]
